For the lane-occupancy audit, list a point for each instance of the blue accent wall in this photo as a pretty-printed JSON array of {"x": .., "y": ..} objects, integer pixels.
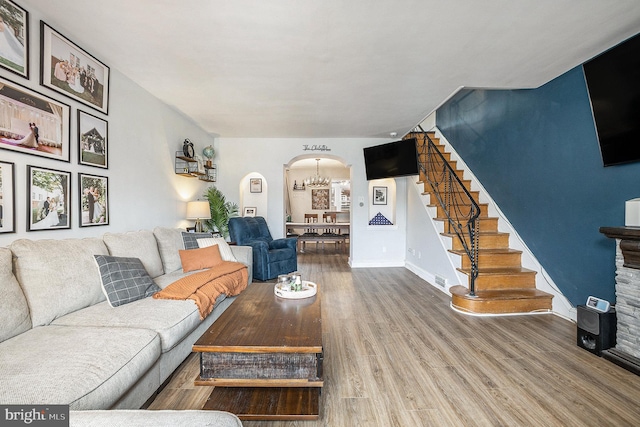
[{"x": 536, "y": 152}]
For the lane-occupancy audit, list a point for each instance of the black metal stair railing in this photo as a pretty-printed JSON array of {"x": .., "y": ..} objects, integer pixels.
[{"x": 461, "y": 210}]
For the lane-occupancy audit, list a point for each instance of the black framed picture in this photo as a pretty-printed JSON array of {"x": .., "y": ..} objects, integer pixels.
[
  {"x": 49, "y": 199},
  {"x": 14, "y": 38},
  {"x": 7, "y": 197},
  {"x": 93, "y": 143},
  {"x": 94, "y": 200},
  {"x": 32, "y": 123},
  {"x": 379, "y": 195},
  {"x": 70, "y": 70}
]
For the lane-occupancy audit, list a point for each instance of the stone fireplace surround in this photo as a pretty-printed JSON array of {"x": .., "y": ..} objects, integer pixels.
[{"x": 626, "y": 353}]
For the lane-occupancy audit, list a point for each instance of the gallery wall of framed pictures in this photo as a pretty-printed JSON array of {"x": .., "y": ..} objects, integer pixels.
[{"x": 37, "y": 123}]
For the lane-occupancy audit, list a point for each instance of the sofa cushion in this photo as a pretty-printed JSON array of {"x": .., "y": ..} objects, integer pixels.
[
  {"x": 169, "y": 243},
  {"x": 84, "y": 367},
  {"x": 191, "y": 239},
  {"x": 142, "y": 418},
  {"x": 199, "y": 259},
  {"x": 65, "y": 266},
  {"x": 172, "y": 320},
  {"x": 124, "y": 280},
  {"x": 225, "y": 249},
  {"x": 14, "y": 311},
  {"x": 136, "y": 244}
]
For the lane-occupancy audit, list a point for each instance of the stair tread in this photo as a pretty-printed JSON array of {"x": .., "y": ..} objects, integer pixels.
[
  {"x": 501, "y": 294},
  {"x": 489, "y": 251},
  {"x": 495, "y": 271},
  {"x": 481, "y": 233}
]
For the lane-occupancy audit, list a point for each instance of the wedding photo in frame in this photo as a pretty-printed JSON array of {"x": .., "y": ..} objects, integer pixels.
[
  {"x": 70, "y": 70},
  {"x": 94, "y": 200},
  {"x": 14, "y": 37},
  {"x": 93, "y": 144},
  {"x": 32, "y": 123},
  {"x": 49, "y": 199},
  {"x": 7, "y": 197}
]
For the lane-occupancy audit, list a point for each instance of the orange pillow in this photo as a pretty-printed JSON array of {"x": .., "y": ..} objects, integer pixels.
[{"x": 198, "y": 259}]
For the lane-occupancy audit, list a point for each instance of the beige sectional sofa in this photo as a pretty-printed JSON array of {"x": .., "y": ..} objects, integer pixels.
[{"x": 62, "y": 343}]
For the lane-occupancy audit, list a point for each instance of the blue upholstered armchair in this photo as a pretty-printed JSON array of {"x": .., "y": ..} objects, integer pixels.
[{"x": 270, "y": 257}]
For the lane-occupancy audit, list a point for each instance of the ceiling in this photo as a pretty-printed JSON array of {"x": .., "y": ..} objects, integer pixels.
[{"x": 334, "y": 68}]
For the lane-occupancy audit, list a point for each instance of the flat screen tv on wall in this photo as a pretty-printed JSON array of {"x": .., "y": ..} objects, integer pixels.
[
  {"x": 613, "y": 81},
  {"x": 394, "y": 159}
]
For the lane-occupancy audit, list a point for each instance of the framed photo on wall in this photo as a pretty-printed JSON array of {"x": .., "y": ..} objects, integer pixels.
[
  {"x": 93, "y": 143},
  {"x": 379, "y": 195},
  {"x": 70, "y": 70},
  {"x": 49, "y": 199},
  {"x": 14, "y": 37},
  {"x": 249, "y": 211},
  {"x": 7, "y": 197},
  {"x": 255, "y": 185},
  {"x": 94, "y": 200},
  {"x": 320, "y": 199},
  {"x": 32, "y": 123}
]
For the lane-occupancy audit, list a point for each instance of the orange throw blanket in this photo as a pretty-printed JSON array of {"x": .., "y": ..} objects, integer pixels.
[{"x": 204, "y": 287}]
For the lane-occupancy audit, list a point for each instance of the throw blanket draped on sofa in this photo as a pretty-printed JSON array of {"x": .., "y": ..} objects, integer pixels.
[{"x": 204, "y": 287}]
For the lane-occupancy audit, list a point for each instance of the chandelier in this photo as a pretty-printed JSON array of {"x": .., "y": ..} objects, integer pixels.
[{"x": 317, "y": 180}]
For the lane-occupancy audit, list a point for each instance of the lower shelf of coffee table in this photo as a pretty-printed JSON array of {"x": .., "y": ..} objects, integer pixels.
[{"x": 267, "y": 403}]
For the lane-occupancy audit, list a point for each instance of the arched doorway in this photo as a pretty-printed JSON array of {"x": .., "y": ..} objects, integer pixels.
[{"x": 331, "y": 199}]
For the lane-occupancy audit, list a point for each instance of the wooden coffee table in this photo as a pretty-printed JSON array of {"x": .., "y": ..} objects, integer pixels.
[{"x": 264, "y": 357}]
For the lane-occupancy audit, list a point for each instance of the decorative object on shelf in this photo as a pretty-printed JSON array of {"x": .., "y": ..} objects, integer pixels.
[
  {"x": 50, "y": 192},
  {"x": 94, "y": 200},
  {"x": 210, "y": 173},
  {"x": 187, "y": 148},
  {"x": 198, "y": 210},
  {"x": 255, "y": 185},
  {"x": 92, "y": 141},
  {"x": 297, "y": 187},
  {"x": 317, "y": 180},
  {"x": 70, "y": 70},
  {"x": 380, "y": 219},
  {"x": 209, "y": 152},
  {"x": 7, "y": 197},
  {"x": 379, "y": 195},
  {"x": 221, "y": 211},
  {"x": 15, "y": 56},
  {"x": 249, "y": 211},
  {"x": 46, "y": 136}
]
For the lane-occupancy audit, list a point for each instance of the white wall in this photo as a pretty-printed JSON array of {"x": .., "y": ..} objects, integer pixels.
[
  {"x": 144, "y": 192},
  {"x": 238, "y": 157},
  {"x": 144, "y": 133}
]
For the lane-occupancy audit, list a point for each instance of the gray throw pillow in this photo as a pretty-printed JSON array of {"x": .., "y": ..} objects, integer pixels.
[
  {"x": 191, "y": 239},
  {"x": 124, "y": 279}
]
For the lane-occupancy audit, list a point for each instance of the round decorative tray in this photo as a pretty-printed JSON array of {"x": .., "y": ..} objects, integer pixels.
[{"x": 309, "y": 289}]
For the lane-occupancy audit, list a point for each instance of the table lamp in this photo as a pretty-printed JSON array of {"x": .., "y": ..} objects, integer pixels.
[{"x": 198, "y": 210}]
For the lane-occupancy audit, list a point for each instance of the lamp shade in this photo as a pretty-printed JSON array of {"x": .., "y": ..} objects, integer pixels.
[{"x": 198, "y": 210}]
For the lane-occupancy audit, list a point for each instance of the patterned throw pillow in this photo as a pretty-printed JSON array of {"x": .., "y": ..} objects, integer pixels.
[
  {"x": 225, "y": 249},
  {"x": 124, "y": 279},
  {"x": 191, "y": 239}
]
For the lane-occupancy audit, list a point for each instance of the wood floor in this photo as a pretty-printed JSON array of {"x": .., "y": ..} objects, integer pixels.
[{"x": 397, "y": 355}]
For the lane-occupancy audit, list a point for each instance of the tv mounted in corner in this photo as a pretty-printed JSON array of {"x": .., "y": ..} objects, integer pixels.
[
  {"x": 394, "y": 159},
  {"x": 613, "y": 82}
]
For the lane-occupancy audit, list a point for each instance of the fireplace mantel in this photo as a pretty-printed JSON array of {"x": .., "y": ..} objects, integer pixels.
[{"x": 629, "y": 243}]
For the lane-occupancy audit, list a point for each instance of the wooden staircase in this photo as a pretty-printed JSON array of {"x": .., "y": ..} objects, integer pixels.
[{"x": 502, "y": 285}]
